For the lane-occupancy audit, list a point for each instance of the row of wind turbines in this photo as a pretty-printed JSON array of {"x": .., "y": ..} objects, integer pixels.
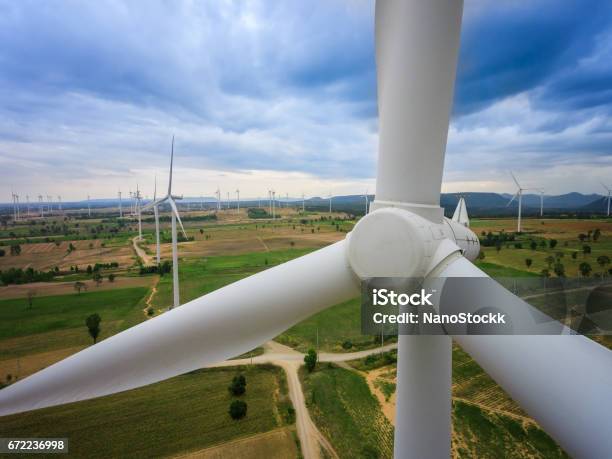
[{"x": 519, "y": 197}]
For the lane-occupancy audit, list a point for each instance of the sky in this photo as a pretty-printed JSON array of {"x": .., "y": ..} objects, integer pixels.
[{"x": 277, "y": 94}]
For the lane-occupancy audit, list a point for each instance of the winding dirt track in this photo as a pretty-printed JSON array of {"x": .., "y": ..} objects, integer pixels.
[
  {"x": 311, "y": 438},
  {"x": 146, "y": 259}
]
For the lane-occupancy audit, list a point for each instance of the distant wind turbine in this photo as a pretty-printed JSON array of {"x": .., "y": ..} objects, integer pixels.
[
  {"x": 170, "y": 199},
  {"x": 238, "y": 197},
  {"x": 120, "y": 208},
  {"x": 519, "y": 193},
  {"x": 609, "y": 191}
]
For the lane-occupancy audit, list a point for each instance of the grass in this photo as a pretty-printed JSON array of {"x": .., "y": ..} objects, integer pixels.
[
  {"x": 204, "y": 275},
  {"x": 346, "y": 412},
  {"x": 49, "y": 313},
  {"x": 486, "y": 435},
  {"x": 57, "y": 322},
  {"x": 183, "y": 414}
]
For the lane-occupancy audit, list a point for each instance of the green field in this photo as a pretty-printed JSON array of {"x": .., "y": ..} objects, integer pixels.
[
  {"x": 485, "y": 435},
  {"x": 56, "y": 322},
  {"x": 186, "y": 413},
  {"x": 204, "y": 275},
  {"x": 346, "y": 412}
]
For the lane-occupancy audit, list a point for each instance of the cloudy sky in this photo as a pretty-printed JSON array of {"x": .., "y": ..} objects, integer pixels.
[{"x": 282, "y": 94}]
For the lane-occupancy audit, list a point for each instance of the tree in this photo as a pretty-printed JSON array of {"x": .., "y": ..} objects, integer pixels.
[
  {"x": 552, "y": 243},
  {"x": 545, "y": 273},
  {"x": 310, "y": 360},
  {"x": 2, "y": 253},
  {"x": 93, "y": 326},
  {"x": 30, "y": 295},
  {"x": 238, "y": 409},
  {"x": 585, "y": 268},
  {"x": 238, "y": 385},
  {"x": 550, "y": 260},
  {"x": 574, "y": 255},
  {"x": 533, "y": 245},
  {"x": 89, "y": 269},
  {"x": 528, "y": 262},
  {"x": 603, "y": 260},
  {"x": 586, "y": 249},
  {"x": 481, "y": 255},
  {"x": 97, "y": 277},
  {"x": 596, "y": 234},
  {"x": 15, "y": 249},
  {"x": 78, "y": 286},
  {"x": 559, "y": 269},
  {"x": 582, "y": 237},
  {"x": 111, "y": 277}
]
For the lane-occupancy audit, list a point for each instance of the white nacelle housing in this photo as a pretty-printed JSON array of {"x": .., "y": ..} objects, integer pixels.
[{"x": 394, "y": 242}]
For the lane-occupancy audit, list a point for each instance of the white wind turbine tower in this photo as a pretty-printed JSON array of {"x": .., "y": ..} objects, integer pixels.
[
  {"x": 50, "y": 202},
  {"x": 120, "y": 205},
  {"x": 28, "y": 205},
  {"x": 41, "y": 204},
  {"x": 330, "y": 201},
  {"x": 228, "y": 201},
  {"x": 367, "y": 202},
  {"x": 270, "y": 201},
  {"x": 273, "y": 204},
  {"x": 170, "y": 199},
  {"x": 541, "y": 191},
  {"x": 609, "y": 191},
  {"x": 238, "y": 198},
  {"x": 405, "y": 235},
  {"x": 518, "y": 194},
  {"x": 138, "y": 197},
  {"x": 15, "y": 206},
  {"x": 218, "y": 194},
  {"x": 88, "y": 206},
  {"x": 59, "y": 204},
  {"x": 303, "y": 203}
]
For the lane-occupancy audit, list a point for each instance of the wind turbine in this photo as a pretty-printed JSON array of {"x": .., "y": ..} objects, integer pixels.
[
  {"x": 120, "y": 207},
  {"x": 519, "y": 193},
  {"x": 59, "y": 203},
  {"x": 303, "y": 203},
  {"x": 238, "y": 198},
  {"x": 88, "y": 206},
  {"x": 405, "y": 235},
  {"x": 330, "y": 200},
  {"x": 609, "y": 191},
  {"x": 170, "y": 199},
  {"x": 28, "y": 205},
  {"x": 50, "y": 202},
  {"x": 541, "y": 191},
  {"x": 138, "y": 197},
  {"x": 367, "y": 202},
  {"x": 273, "y": 204},
  {"x": 41, "y": 204}
]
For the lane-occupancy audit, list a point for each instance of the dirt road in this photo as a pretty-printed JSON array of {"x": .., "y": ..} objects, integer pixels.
[{"x": 146, "y": 259}]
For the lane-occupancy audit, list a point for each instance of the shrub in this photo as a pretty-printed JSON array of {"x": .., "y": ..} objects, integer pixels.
[
  {"x": 310, "y": 360},
  {"x": 238, "y": 409},
  {"x": 347, "y": 344},
  {"x": 238, "y": 385}
]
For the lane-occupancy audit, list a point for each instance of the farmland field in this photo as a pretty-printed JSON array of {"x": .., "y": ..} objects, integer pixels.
[{"x": 184, "y": 414}]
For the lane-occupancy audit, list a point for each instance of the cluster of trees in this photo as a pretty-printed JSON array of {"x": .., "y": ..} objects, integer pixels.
[
  {"x": 496, "y": 240},
  {"x": 164, "y": 268},
  {"x": 21, "y": 276},
  {"x": 237, "y": 388},
  {"x": 258, "y": 213}
]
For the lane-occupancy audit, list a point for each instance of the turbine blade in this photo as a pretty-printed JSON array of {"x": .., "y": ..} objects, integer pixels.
[
  {"x": 562, "y": 381},
  {"x": 207, "y": 330},
  {"x": 513, "y": 197},
  {"x": 515, "y": 180},
  {"x": 171, "y": 161},
  {"x": 178, "y": 217}
]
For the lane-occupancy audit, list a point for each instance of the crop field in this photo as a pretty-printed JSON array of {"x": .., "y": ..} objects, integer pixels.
[
  {"x": 56, "y": 323},
  {"x": 175, "y": 417},
  {"x": 347, "y": 413}
]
